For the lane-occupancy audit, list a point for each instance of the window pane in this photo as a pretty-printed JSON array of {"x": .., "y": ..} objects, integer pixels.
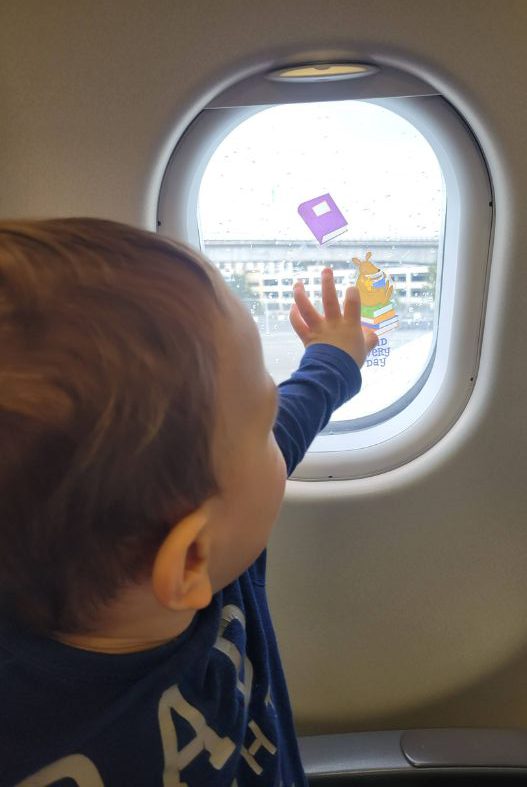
[{"x": 386, "y": 181}]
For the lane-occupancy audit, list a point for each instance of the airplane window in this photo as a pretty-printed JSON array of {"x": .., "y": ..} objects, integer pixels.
[
  {"x": 274, "y": 186},
  {"x": 346, "y": 184}
]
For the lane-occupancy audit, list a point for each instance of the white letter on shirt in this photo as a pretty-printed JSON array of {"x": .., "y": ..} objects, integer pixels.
[
  {"x": 219, "y": 749},
  {"x": 76, "y": 767}
]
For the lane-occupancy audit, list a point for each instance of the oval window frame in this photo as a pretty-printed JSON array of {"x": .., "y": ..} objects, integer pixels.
[{"x": 450, "y": 377}]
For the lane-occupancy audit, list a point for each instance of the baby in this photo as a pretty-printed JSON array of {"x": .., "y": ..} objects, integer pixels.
[{"x": 144, "y": 456}]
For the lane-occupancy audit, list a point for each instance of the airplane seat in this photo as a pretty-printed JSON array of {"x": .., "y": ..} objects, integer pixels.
[{"x": 431, "y": 757}]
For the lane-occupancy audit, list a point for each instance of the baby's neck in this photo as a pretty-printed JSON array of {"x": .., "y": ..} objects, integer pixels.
[
  {"x": 109, "y": 644},
  {"x": 132, "y": 623}
]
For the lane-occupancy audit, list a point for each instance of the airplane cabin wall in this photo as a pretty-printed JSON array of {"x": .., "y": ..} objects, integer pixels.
[{"x": 401, "y": 600}]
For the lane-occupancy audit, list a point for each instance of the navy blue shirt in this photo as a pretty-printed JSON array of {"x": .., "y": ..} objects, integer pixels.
[{"x": 208, "y": 709}]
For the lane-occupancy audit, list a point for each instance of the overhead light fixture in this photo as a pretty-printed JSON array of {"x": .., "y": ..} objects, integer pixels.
[{"x": 322, "y": 72}]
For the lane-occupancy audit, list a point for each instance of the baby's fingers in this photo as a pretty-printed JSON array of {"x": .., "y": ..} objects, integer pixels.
[
  {"x": 306, "y": 309},
  {"x": 299, "y": 326},
  {"x": 330, "y": 299},
  {"x": 352, "y": 305},
  {"x": 371, "y": 339}
]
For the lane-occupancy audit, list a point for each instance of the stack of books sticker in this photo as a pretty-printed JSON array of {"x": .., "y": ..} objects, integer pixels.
[
  {"x": 382, "y": 318},
  {"x": 376, "y": 292}
]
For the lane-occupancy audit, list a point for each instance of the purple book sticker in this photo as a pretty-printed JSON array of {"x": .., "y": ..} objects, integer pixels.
[{"x": 323, "y": 217}]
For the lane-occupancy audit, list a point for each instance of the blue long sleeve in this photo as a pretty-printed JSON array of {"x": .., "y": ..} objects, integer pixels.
[{"x": 326, "y": 378}]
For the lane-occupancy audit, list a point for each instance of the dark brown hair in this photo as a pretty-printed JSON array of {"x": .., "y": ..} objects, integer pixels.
[{"x": 107, "y": 410}]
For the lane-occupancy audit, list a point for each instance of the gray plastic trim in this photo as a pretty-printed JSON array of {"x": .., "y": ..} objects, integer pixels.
[
  {"x": 409, "y": 751},
  {"x": 465, "y": 748},
  {"x": 357, "y": 752}
]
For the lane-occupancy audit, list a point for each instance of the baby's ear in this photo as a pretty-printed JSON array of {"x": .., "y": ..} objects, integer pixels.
[
  {"x": 356, "y": 260},
  {"x": 180, "y": 574}
]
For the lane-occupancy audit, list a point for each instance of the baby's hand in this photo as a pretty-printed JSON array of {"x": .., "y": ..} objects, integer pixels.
[{"x": 340, "y": 330}]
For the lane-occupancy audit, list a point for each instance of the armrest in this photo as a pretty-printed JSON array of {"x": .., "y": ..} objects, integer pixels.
[
  {"x": 397, "y": 754},
  {"x": 465, "y": 748}
]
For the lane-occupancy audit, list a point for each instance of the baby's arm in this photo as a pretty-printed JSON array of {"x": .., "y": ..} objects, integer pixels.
[{"x": 328, "y": 375}]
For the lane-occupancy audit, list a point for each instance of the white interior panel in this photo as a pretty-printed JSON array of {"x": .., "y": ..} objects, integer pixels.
[{"x": 399, "y": 600}]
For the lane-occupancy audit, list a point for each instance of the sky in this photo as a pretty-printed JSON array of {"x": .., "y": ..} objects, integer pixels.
[{"x": 381, "y": 172}]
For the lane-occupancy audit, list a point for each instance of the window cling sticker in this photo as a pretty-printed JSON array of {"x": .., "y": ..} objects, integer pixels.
[{"x": 376, "y": 295}]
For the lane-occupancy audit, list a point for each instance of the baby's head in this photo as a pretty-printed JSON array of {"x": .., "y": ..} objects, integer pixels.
[{"x": 136, "y": 424}]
